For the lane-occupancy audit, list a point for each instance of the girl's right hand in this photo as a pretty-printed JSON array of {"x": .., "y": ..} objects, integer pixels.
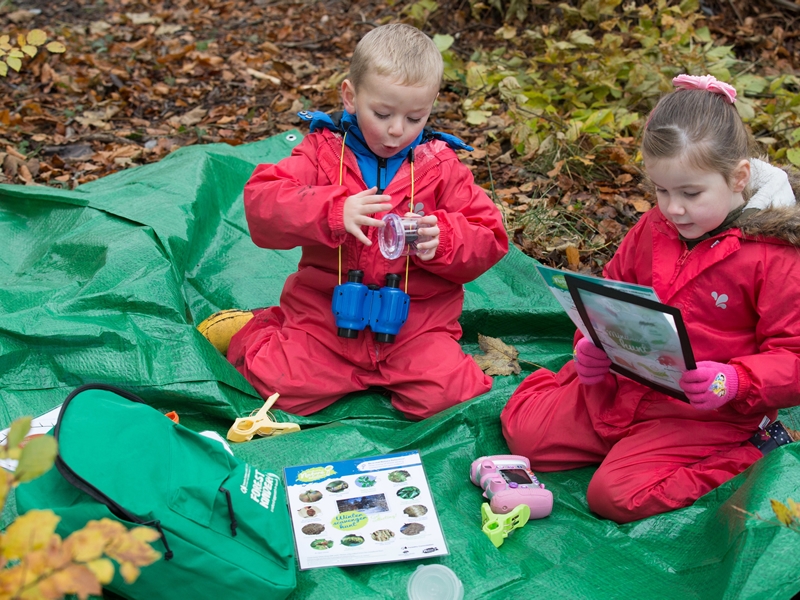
[{"x": 356, "y": 209}]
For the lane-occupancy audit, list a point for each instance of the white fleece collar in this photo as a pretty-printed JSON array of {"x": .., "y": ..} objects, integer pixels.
[{"x": 770, "y": 186}]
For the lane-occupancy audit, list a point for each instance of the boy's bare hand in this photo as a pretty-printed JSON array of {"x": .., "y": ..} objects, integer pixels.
[
  {"x": 358, "y": 206},
  {"x": 428, "y": 227}
]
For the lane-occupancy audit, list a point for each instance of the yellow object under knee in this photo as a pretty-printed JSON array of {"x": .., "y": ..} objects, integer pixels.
[{"x": 220, "y": 327}]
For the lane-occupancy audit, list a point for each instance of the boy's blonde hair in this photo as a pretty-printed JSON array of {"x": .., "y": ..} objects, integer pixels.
[
  {"x": 400, "y": 51},
  {"x": 701, "y": 125}
]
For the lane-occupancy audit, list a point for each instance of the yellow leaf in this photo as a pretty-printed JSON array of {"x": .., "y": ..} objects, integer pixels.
[
  {"x": 794, "y": 507},
  {"x": 782, "y": 512},
  {"x": 20, "y": 40},
  {"x": 56, "y": 47},
  {"x": 3, "y": 69},
  {"x": 129, "y": 572},
  {"x": 14, "y": 63},
  {"x": 107, "y": 527},
  {"x": 16, "y": 53},
  {"x": 103, "y": 569},
  {"x": 19, "y": 429},
  {"x": 37, "y": 457},
  {"x": 86, "y": 544},
  {"x": 36, "y": 37},
  {"x": 5, "y": 479},
  {"x": 29, "y": 532},
  {"x": 30, "y": 50},
  {"x": 4, "y": 39},
  {"x": 145, "y": 534},
  {"x": 126, "y": 548}
]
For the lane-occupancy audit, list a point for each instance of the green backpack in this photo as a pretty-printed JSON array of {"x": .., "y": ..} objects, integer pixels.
[{"x": 224, "y": 525}]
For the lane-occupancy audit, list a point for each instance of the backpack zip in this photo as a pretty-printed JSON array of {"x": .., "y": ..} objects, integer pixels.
[{"x": 77, "y": 481}]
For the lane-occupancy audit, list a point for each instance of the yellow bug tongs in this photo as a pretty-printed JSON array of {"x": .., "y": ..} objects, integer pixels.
[{"x": 259, "y": 423}]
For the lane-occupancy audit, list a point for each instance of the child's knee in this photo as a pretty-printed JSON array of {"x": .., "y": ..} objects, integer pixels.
[
  {"x": 603, "y": 499},
  {"x": 617, "y": 500},
  {"x": 522, "y": 417}
]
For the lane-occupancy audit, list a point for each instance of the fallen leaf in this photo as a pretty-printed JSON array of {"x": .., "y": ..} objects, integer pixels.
[
  {"x": 556, "y": 169},
  {"x": 782, "y": 512},
  {"x": 192, "y": 117},
  {"x": 263, "y": 76},
  {"x": 168, "y": 29},
  {"x": 498, "y": 358},
  {"x": 573, "y": 256}
]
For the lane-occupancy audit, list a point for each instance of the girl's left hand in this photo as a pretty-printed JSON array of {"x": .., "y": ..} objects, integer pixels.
[{"x": 427, "y": 227}]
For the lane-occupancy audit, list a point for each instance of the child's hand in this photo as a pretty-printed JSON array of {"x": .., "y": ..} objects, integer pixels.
[
  {"x": 591, "y": 363},
  {"x": 356, "y": 209},
  {"x": 710, "y": 385},
  {"x": 427, "y": 227}
]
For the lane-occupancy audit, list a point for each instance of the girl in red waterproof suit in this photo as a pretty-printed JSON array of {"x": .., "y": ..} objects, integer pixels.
[
  {"x": 730, "y": 265},
  {"x": 328, "y": 197}
]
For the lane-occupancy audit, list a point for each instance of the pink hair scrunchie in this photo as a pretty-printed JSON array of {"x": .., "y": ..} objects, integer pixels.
[{"x": 705, "y": 82}]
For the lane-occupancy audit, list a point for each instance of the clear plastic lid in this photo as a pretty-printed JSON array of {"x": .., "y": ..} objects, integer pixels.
[
  {"x": 434, "y": 582},
  {"x": 391, "y": 239}
]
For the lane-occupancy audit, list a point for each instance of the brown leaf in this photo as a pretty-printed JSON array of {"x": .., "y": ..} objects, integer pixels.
[
  {"x": 11, "y": 166},
  {"x": 623, "y": 179},
  {"x": 556, "y": 169},
  {"x": 573, "y": 256},
  {"x": 499, "y": 358},
  {"x": 25, "y": 173},
  {"x": 192, "y": 117},
  {"x": 609, "y": 228}
]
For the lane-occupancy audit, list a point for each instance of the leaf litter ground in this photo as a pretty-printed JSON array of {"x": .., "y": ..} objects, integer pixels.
[{"x": 141, "y": 79}]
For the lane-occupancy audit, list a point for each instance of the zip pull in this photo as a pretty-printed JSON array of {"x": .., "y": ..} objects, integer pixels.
[
  {"x": 232, "y": 516},
  {"x": 381, "y": 174},
  {"x": 157, "y": 524}
]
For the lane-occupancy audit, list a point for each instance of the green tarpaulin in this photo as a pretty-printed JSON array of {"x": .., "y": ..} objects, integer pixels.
[{"x": 107, "y": 282}]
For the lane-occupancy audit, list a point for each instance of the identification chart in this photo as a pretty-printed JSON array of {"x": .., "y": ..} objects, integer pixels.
[{"x": 363, "y": 511}]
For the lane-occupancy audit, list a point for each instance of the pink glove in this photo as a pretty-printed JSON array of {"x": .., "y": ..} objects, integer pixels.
[
  {"x": 591, "y": 362},
  {"x": 710, "y": 385}
]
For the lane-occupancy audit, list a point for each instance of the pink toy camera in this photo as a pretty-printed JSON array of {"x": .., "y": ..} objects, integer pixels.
[{"x": 507, "y": 482}]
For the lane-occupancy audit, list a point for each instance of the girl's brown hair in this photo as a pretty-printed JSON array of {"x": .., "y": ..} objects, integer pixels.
[{"x": 701, "y": 125}]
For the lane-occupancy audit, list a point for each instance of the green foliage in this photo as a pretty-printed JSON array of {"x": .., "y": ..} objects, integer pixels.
[
  {"x": 34, "y": 561},
  {"x": 27, "y": 45},
  {"x": 419, "y": 12},
  {"x": 587, "y": 80}
]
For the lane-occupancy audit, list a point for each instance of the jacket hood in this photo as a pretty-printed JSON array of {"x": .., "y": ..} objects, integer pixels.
[
  {"x": 341, "y": 121},
  {"x": 376, "y": 172},
  {"x": 772, "y": 210}
]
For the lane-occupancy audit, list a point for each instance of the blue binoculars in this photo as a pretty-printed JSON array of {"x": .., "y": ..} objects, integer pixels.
[{"x": 356, "y": 306}]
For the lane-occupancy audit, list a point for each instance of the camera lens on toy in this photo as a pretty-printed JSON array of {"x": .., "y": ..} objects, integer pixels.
[{"x": 399, "y": 236}]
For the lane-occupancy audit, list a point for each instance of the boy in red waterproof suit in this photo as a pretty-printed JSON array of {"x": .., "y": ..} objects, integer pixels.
[
  {"x": 730, "y": 265},
  {"x": 328, "y": 197}
]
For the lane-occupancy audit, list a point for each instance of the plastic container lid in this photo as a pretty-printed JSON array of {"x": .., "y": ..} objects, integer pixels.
[
  {"x": 434, "y": 582},
  {"x": 391, "y": 239}
]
